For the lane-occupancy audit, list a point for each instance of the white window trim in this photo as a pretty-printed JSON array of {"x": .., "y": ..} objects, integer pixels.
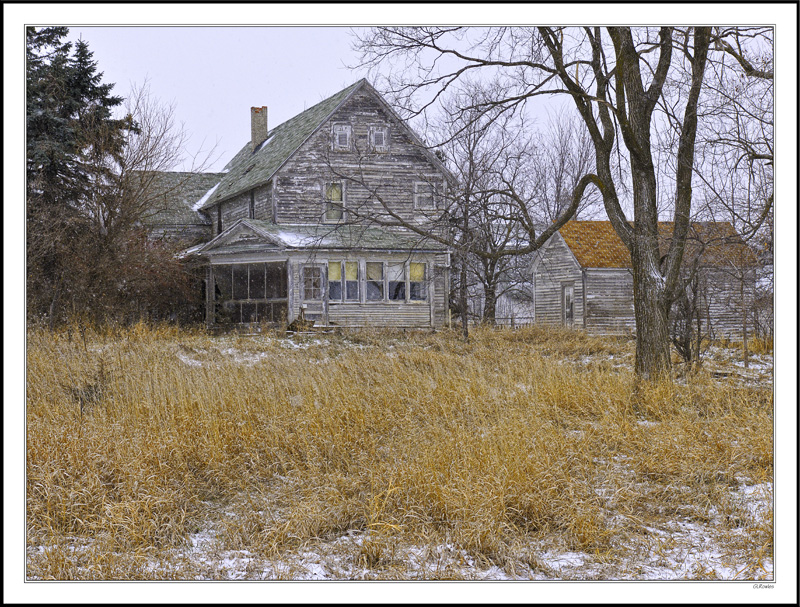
[
  {"x": 325, "y": 202},
  {"x": 323, "y": 286},
  {"x": 438, "y": 188},
  {"x": 424, "y": 282},
  {"x": 385, "y": 131},
  {"x": 336, "y": 128},
  {"x": 361, "y": 282}
]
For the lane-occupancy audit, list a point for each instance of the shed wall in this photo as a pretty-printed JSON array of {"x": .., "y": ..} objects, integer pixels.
[{"x": 556, "y": 267}]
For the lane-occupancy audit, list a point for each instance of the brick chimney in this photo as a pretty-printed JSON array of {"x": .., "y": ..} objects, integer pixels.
[{"x": 258, "y": 126}]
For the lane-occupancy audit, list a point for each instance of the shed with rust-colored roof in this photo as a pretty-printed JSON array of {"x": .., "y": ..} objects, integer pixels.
[{"x": 582, "y": 277}]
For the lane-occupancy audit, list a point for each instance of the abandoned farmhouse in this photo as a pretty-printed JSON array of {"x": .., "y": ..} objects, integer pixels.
[{"x": 315, "y": 219}]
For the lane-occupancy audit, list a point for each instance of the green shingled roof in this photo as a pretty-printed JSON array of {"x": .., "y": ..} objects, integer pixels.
[
  {"x": 248, "y": 169},
  {"x": 174, "y": 194},
  {"x": 349, "y": 237}
]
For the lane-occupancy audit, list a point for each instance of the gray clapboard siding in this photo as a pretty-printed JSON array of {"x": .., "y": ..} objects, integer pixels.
[
  {"x": 299, "y": 191},
  {"x": 609, "y": 301},
  {"x": 725, "y": 291},
  {"x": 723, "y": 301},
  {"x": 555, "y": 268},
  {"x": 380, "y": 314}
]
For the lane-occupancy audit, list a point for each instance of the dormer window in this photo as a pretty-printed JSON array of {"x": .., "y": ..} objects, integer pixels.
[
  {"x": 341, "y": 135},
  {"x": 379, "y": 138}
]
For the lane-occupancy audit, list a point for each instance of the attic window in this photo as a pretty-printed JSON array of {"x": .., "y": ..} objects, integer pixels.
[
  {"x": 379, "y": 138},
  {"x": 341, "y": 134}
]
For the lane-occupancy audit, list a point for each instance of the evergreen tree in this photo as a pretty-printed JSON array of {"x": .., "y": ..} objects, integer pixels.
[{"x": 70, "y": 130}]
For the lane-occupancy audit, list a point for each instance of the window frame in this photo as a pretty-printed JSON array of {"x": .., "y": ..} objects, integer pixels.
[
  {"x": 423, "y": 283},
  {"x": 382, "y": 281},
  {"x": 434, "y": 193},
  {"x": 362, "y": 282},
  {"x": 327, "y": 201},
  {"x": 384, "y": 147},
  {"x": 322, "y": 283},
  {"x": 266, "y": 295},
  {"x": 343, "y": 281},
  {"x": 341, "y": 127}
]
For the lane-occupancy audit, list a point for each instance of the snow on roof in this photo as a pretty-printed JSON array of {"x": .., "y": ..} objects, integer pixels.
[{"x": 197, "y": 205}]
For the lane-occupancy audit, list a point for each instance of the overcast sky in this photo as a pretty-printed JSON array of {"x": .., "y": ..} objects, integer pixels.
[{"x": 213, "y": 75}]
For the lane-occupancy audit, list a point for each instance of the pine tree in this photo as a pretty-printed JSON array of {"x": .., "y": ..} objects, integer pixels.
[{"x": 69, "y": 128}]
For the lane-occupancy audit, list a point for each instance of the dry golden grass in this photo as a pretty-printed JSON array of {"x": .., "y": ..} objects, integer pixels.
[{"x": 382, "y": 455}]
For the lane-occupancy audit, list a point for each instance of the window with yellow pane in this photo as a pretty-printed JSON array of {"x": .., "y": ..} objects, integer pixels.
[
  {"x": 334, "y": 202},
  {"x": 416, "y": 282},
  {"x": 343, "y": 281}
]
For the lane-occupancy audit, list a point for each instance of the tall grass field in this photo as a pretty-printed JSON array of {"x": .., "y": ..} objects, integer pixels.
[{"x": 158, "y": 453}]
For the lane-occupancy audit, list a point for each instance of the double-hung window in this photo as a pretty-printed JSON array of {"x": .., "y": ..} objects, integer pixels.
[
  {"x": 343, "y": 281},
  {"x": 397, "y": 281},
  {"x": 374, "y": 280},
  {"x": 341, "y": 135},
  {"x": 334, "y": 202},
  {"x": 424, "y": 195},
  {"x": 312, "y": 283},
  {"x": 416, "y": 281}
]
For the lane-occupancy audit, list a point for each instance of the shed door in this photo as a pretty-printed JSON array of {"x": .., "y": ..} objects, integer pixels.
[{"x": 568, "y": 304}]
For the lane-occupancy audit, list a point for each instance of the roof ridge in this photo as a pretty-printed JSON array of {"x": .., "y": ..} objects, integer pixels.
[{"x": 233, "y": 184}]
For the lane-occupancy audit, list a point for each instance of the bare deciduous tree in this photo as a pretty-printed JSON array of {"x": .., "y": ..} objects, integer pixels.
[{"x": 621, "y": 81}]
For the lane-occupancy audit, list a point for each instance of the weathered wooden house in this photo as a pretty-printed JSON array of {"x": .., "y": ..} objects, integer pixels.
[
  {"x": 582, "y": 278},
  {"x": 291, "y": 227}
]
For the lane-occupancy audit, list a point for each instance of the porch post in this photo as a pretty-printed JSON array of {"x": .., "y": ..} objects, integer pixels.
[{"x": 210, "y": 290}]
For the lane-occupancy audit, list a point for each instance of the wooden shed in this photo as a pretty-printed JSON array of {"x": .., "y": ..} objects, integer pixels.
[{"x": 582, "y": 278}]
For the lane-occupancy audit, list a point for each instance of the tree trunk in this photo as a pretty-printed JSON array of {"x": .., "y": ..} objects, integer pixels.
[
  {"x": 490, "y": 304},
  {"x": 652, "y": 320},
  {"x": 463, "y": 298}
]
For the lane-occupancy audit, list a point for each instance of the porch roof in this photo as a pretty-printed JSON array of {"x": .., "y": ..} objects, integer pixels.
[{"x": 316, "y": 237}]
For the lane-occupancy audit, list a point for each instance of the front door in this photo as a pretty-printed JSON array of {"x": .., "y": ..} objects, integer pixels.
[{"x": 313, "y": 287}]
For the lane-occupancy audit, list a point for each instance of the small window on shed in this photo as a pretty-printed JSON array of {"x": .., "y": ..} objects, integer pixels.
[{"x": 568, "y": 304}]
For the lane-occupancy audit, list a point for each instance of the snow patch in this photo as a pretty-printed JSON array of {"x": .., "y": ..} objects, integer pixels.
[{"x": 197, "y": 205}]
